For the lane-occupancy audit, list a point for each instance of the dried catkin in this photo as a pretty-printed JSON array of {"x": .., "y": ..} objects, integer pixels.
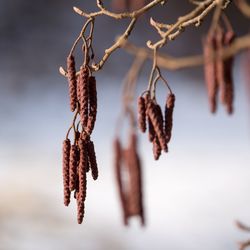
[
  {"x": 142, "y": 114},
  {"x": 82, "y": 180},
  {"x": 169, "y": 108},
  {"x": 92, "y": 105},
  {"x": 220, "y": 69},
  {"x": 73, "y": 167},
  {"x": 72, "y": 81},
  {"x": 156, "y": 148},
  {"x": 134, "y": 195},
  {"x": 209, "y": 71},
  {"x": 118, "y": 171},
  {"x": 228, "y": 64},
  {"x": 157, "y": 124},
  {"x": 151, "y": 131},
  {"x": 83, "y": 89},
  {"x": 92, "y": 159},
  {"x": 66, "y": 159}
]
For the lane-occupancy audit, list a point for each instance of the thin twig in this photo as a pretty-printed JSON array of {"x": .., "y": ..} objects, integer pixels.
[{"x": 194, "y": 16}]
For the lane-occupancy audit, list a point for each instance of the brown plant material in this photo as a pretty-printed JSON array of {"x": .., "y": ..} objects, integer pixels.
[
  {"x": 151, "y": 132},
  {"x": 169, "y": 108},
  {"x": 142, "y": 114},
  {"x": 156, "y": 148},
  {"x": 73, "y": 162},
  {"x": 220, "y": 66},
  {"x": 82, "y": 180},
  {"x": 84, "y": 95},
  {"x": 118, "y": 174},
  {"x": 72, "y": 82},
  {"x": 92, "y": 105},
  {"x": 134, "y": 195},
  {"x": 244, "y": 245},
  {"x": 92, "y": 159},
  {"x": 66, "y": 158},
  {"x": 157, "y": 124},
  {"x": 228, "y": 66},
  {"x": 209, "y": 71}
]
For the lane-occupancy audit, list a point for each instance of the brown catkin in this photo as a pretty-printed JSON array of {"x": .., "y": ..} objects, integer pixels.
[
  {"x": 66, "y": 159},
  {"x": 72, "y": 81},
  {"x": 169, "y": 108},
  {"x": 157, "y": 124},
  {"x": 220, "y": 66},
  {"x": 83, "y": 90},
  {"x": 92, "y": 105},
  {"x": 134, "y": 202},
  {"x": 118, "y": 171},
  {"x": 209, "y": 71},
  {"x": 228, "y": 64},
  {"x": 73, "y": 167},
  {"x": 156, "y": 148},
  {"x": 142, "y": 114},
  {"x": 92, "y": 159},
  {"x": 151, "y": 132},
  {"x": 82, "y": 180}
]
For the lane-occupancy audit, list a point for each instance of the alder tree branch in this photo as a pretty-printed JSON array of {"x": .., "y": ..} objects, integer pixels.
[{"x": 174, "y": 63}]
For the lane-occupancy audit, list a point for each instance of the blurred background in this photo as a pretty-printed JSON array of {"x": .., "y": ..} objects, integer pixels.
[{"x": 192, "y": 195}]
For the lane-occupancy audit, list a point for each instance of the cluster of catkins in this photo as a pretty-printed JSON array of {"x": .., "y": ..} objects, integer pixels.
[
  {"x": 159, "y": 127},
  {"x": 218, "y": 72},
  {"x": 79, "y": 157},
  {"x": 129, "y": 179}
]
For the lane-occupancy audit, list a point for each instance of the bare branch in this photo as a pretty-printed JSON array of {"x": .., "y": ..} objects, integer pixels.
[
  {"x": 244, "y": 7},
  {"x": 172, "y": 63},
  {"x": 195, "y": 16}
]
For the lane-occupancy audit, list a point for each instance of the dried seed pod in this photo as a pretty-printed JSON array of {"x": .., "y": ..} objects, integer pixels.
[
  {"x": 228, "y": 64},
  {"x": 220, "y": 66},
  {"x": 82, "y": 180},
  {"x": 209, "y": 71},
  {"x": 151, "y": 131},
  {"x": 72, "y": 81},
  {"x": 157, "y": 124},
  {"x": 156, "y": 148},
  {"x": 92, "y": 159},
  {"x": 83, "y": 89},
  {"x": 134, "y": 195},
  {"x": 73, "y": 167},
  {"x": 66, "y": 160},
  {"x": 142, "y": 114},
  {"x": 92, "y": 105},
  {"x": 118, "y": 172},
  {"x": 169, "y": 108}
]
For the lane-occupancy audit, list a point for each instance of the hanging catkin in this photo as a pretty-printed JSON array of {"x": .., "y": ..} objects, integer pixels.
[
  {"x": 157, "y": 124},
  {"x": 137, "y": 177},
  {"x": 66, "y": 158},
  {"x": 169, "y": 108},
  {"x": 92, "y": 159},
  {"x": 220, "y": 66},
  {"x": 83, "y": 89},
  {"x": 142, "y": 114},
  {"x": 73, "y": 167},
  {"x": 82, "y": 180},
  {"x": 209, "y": 71},
  {"x": 228, "y": 64},
  {"x": 118, "y": 170},
  {"x": 72, "y": 82},
  {"x": 92, "y": 105},
  {"x": 156, "y": 148}
]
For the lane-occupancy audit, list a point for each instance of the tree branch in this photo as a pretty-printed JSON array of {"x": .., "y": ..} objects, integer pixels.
[{"x": 173, "y": 63}]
